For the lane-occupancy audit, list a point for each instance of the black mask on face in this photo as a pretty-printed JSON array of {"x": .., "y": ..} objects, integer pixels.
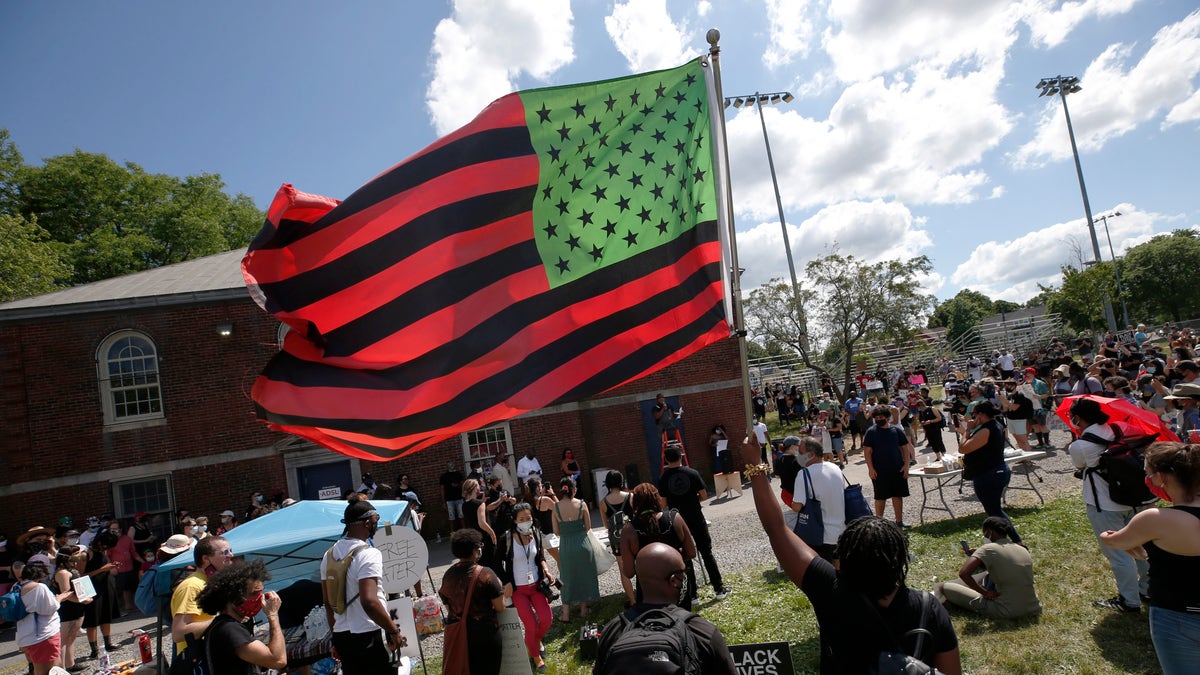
[{"x": 35, "y": 546}]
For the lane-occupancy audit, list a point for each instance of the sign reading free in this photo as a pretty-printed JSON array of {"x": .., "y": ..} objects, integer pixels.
[{"x": 762, "y": 658}]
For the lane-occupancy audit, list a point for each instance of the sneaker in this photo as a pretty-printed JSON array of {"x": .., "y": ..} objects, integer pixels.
[
  {"x": 1116, "y": 603},
  {"x": 722, "y": 594}
]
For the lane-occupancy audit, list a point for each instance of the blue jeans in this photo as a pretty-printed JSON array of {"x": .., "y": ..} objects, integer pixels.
[
  {"x": 1132, "y": 575},
  {"x": 989, "y": 488},
  {"x": 1176, "y": 638}
]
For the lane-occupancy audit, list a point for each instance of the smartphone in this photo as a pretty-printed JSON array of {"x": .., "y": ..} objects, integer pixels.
[{"x": 966, "y": 549}]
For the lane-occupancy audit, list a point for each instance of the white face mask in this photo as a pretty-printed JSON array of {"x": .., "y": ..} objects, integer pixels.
[
  {"x": 3, "y": 543},
  {"x": 201, "y": 528},
  {"x": 525, "y": 527}
]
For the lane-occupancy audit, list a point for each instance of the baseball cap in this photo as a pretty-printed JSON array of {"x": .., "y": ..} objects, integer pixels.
[
  {"x": 790, "y": 441},
  {"x": 227, "y": 512}
]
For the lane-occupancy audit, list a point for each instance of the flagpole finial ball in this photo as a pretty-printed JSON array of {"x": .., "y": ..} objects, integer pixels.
[{"x": 713, "y": 36}]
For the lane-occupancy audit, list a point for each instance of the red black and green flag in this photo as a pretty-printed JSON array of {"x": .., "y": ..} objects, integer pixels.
[{"x": 561, "y": 244}]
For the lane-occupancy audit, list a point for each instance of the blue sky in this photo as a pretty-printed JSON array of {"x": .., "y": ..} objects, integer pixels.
[{"x": 916, "y": 127}]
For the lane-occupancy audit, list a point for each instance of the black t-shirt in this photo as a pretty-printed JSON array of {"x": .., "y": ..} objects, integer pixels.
[
  {"x": 451, "y": 482},
  {"x": 851, "y": 633},
  {"x": 987, "y": 457},
  {"x": 885, "y": 447},
  {"x": 1024, "y": 408},
  {"x": 225, "y": 636},
  {"x": 681, "y": 485}
]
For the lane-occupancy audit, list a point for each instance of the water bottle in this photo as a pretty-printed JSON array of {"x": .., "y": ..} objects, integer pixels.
[{"x": 102, "y": 658}]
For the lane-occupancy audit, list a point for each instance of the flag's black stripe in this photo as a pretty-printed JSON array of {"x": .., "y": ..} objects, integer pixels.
[
  {"x": 503, "y": 385},
  {"x": 446, "y": 289},
  {"x": 309, "y": 286},
  {"x": 483, "y": 146}
]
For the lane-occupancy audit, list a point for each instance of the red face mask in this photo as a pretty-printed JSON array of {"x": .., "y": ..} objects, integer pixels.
[
  {"x": 252, "y": 606},
  {"x": 1160, "y": 492}
]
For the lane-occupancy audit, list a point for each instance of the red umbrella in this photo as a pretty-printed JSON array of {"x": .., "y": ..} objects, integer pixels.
[{"x": 1120, "y": 410}]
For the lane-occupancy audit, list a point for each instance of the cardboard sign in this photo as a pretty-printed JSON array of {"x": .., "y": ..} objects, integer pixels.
[
  {"x": 762, "y": 658},
  {"x": 405, "y": 557},
  {"x": 514, "y": 658},
  {"x": 331, "y": 492},
  {"x": 401, "y": 611},
  {"x": 83, "y": 588}
]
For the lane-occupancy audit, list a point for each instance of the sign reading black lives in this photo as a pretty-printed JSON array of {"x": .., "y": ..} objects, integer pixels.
[{"x": 762, "y": 658}]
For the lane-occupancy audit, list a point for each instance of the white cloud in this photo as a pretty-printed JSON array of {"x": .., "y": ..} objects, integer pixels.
[
  {"x": 1049, "y": 27},
  {"x": 484, "y": 45},
  {"x": 703, "y": 8},
  {"x": 644, "y": 33},
  {"x": 791, "y": 32},
  {"x": 1188, "y": 111},
  {"x": 1116, "y": 100}
]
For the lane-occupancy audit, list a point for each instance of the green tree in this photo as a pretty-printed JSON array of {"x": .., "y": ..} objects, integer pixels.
[
  {"x": 848, "y": 302},
  {"x": 961, "y": 314},
  {"x": 1080, "y": 298},
  {"x": 29, "y": 262},
  {"x": 10, "y": 163},
  {"x": 1159, "y": 276}
]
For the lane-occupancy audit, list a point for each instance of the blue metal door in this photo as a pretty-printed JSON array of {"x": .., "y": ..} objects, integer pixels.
[{"x": 325, "y": 481}]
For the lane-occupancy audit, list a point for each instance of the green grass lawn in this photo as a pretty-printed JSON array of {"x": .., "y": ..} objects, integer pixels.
[{"x": 1071, "y": 636}]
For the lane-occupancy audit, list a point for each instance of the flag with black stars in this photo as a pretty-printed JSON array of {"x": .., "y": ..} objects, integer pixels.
[{"x": 561, "y": 244}]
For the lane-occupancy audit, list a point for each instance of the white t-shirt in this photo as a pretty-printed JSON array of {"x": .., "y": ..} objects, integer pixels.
[
  {"x": 760, "y": 432},
  {"x": 1086, "y": 454},
  {"x": 41, "y": 623},
  {"x": 526, "y": 466},
  {"x": 1005, "y": 361},
  {"x": 828, "y": 488},
  {"x": 367, "y": 564}
]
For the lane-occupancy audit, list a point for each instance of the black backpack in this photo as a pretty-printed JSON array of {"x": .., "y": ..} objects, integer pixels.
[
  {"x": 656, "y": 641},
  {"x": 1122, "y": 465},
  {"x": 616, "y": 522}
]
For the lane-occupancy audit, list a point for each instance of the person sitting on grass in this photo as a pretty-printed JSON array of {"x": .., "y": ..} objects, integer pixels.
[
  {"x": 864, "y": 608},
  {"x": 1005, "y": 590}
]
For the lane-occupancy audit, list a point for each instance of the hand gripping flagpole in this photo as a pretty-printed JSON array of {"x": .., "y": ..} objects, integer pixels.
[{"x": 726, "y": 228}]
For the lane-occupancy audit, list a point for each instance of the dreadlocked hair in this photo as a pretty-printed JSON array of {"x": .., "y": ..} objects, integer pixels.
[
  {"x": 646, "y": 506},
  {"x": 874, "y": 556},
  {"x": 1181, "y": 460}
]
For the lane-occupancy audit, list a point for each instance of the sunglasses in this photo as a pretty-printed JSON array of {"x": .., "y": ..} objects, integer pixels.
[
  {"x": 228, "y": 553},
  {"x": 680, "y": 574}
]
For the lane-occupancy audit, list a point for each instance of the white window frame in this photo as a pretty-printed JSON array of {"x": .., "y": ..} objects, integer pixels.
[
  {"x": 107, "y": 391},
  {"x": 494, "y": 438},
  {"x": 119, "y": 503}
]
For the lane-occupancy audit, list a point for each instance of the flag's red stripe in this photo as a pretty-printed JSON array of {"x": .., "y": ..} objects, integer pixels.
[
  {"x": 345, "y": 305},
  {"x": 336, "y": 402},
  {"x": 454, "y": 322},
  {"x": 362, "y": 228}
]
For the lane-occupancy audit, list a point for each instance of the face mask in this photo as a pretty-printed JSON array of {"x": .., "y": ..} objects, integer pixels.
[
  {"x": 372, "y": 527},
  {"x": 259, "y": 499},
  {"x": 35, "y": 546},
  {"x": 72, "y": 541},
  {"x": 202, "y": 528},
  {"x": 3, "y": 543},
  {"x": 252, "y": 606},
  {"x": 1160, "y": 492},
  {"x": 525, "y": 527},
  {"x": 1152, "y": 370}
]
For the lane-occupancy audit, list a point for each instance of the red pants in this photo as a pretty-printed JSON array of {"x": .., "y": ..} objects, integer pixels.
[{"x": 534, "y": 610}]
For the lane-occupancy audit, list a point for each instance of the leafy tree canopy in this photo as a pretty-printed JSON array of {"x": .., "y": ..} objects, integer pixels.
[
  {"x": 1159, "y": 276},
  {"x": 30, "y": 263}
]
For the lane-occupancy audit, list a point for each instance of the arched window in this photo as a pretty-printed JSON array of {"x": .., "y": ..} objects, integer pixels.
[{"x": 129, "y": 385}]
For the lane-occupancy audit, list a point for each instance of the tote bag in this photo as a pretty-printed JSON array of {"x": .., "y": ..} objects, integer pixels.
[
  {"x": 454, "y": 646},
  {"x": 604, "y": 557},
  {"x": 810, "y": 524},
  {"x": 856, "y": 503}
]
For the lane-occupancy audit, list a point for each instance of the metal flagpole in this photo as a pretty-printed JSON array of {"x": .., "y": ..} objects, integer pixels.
[{"x": 725, "y": 215}]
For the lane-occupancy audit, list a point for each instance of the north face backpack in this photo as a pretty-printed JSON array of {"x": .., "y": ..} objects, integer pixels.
[
  {"x": 656, "y": 641},
  {"x": 1123, "y": 465}
]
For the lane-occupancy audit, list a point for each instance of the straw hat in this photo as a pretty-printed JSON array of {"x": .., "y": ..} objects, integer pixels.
[
  {"x": 34, "y": 532},
  {"x": 177, "y": 543}
]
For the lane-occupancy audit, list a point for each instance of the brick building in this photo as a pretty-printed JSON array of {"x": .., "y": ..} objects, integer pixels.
[{"x": 132, "y": 394}]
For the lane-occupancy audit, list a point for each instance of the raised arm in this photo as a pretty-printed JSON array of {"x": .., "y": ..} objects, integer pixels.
[{"x": 793, "y": 554}]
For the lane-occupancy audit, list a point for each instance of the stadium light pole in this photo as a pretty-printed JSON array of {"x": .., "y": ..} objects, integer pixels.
[
  {"x": 1116, "y": 273},
  {"x": 761, "y": 100},
  {"x": 1062, "y": 86}
]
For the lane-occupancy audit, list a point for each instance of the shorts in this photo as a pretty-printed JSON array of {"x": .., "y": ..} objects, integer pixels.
[
  {"x": 1039, "y": 415},
  {"x": 890, "y": 483},
  {"x": 838, "y": 443},
  {"x": 46, "y": 651},
  {"x": 1017, "y": 427},
  {"x": 725, "y": 461},
  {"x": 455, "y": 508}
]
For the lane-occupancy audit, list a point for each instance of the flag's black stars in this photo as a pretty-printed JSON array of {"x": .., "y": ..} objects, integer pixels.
[
  {"x": 662, "y": 227},
  {"x": 623, "y": 204},
  {"x": 589, "y": 161},
  {"x": 610, "y": 227},
  {"x": 635, "y": 179},
  {"x": 660, "y": 90},
  {"x": 624, "y": 148},
  {"x": 698, "y": 175},
  {"x": 699, "y": 139},
  {"x": 595, "y": 125},
  {"x": 554, "y": 153},
  {"x": 564, "y": 132},
  {"x": 612, "y": 170},
  {"x": 633, "y": 98},
  {"x": 680, "y": 97},
  {"x": 620, "y": 119},
  {"x": 645, "y": 215},
  {"x": 585, "y": 218},
  {"x": 544, "y": 114},
  {"x": 668, "y": 169},
  {"x": 563, "y": 266},
  {"x": 562, "y": 207},
  {"x": 647, "y": 157},
  {"x": 599, "y": 193},
  {"x": 635, "y": 128},
  {"x": 603, "y": 141},
  {"x": 578, "y": 108},
  {"x": 630, "y": 239},
  {"x": 575, "y": 183},
  {"x": 573, "y": 242},
  {"x": 610, "y": 102},
  {"x": 580, "y": 148},
  {"x": 646, "y": 110},
  {"x": 698, "y": 208},
  {"x": 690, "y": 124},
  {"x": 674, "y": 203},
  {"x": 596, "y": 253},
  {"x": 551, "y": 230},
  {"x": 546, "y": 193},
  {"x": 562, "y": 169},
  {"x": 656, "y": 191},
  {"x": 680, "y": 146},
  {"x": 691, "y": 79},
  {"x": 669, "y": 115},
  {"x": 659, "y": 135}
]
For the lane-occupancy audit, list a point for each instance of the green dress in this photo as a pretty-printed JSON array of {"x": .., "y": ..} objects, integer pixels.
[{"x": 577, "y": 565}]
